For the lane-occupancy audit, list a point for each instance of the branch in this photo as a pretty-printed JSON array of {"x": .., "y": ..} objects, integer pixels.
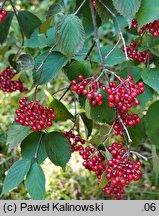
[
  {"x": 80, "y": 7},
  {"x": 96, "y": 37},
  {"x": 41, "y": 69},
  {"x": 119, "y": 27},
  {"x": 108, "y": 134},
  {"x": 2, "y": 4},
  {"x": 139, "y": 155},
  {"x": 125, "y": 128},
  {"x": 21, "y": 30},
  {"x": 109, "y": 53},
  {"x": 90, "y": 50}
]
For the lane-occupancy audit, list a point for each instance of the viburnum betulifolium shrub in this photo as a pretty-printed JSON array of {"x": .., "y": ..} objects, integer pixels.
[{"x": 108, "y": 54}]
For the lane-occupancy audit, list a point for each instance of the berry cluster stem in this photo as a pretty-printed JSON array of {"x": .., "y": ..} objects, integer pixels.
[{"x": 81, "y": 5}]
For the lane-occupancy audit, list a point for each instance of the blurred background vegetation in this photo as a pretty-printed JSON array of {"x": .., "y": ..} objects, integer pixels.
[{"x": 76, "y": 182}]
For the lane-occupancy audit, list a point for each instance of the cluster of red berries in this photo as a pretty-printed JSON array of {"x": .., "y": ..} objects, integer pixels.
[
  {"x": 34, "y": 115},
  {"x": 74, "y": 140},
  {"x": 124, "y": 94},
  {"x": 88, "y": 87},
  {"x": 128, "y": 120},
  {"x": 6, "y": 83},
  {"x": 122, "y": 97},
  {"x": 93, "y": 159},
  {"x": 143, "y": 56},
  {"x": 120, "y": 171},
  {"x": 152, "y": 27},
  {"x": 3, "y": 14}
]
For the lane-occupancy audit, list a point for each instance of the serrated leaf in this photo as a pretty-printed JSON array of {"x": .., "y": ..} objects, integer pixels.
[
  {"x": 57, "y": 148},
  {"x": 151, "y": 78},
  {"x": 116, "y": 57},
  {"x": 16, "y": 134},
  {"x": 28, "y": 22},
  {"x": 52, "y": 66},
  {"x": 78, "y": 67},
  {"x": 54, "y": 9},
  {"x": 69, "y": 34},
  {"x": 155, "y": 160},
  {"x": 103, "y": 113},
  {"x": 103, "y": 180},
  {"x": 29, "y": 146},
  {"x": 60, "y": 110},
  {"x": 127, "y": 8},
  {"x": 25, "y": 62},
  {"x": 35, "y": 182},
  {"x": 150, "y": 121},
  {"x": 88, "y": 124},
  {"x": 15, "y": 175},
  {"x": 5, "y": 26},
  {"x": 148, "y": 12}
]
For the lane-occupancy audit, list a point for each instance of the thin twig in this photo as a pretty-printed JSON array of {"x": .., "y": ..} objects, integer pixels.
[
  {"x": 62, "y": 89},
  {"x": 80, "y": 7},
  {"x": 41, "y": 70},
  {"x": 108, "y": 134},
  {"x": 90, "y": 50},
  {"x": 109, "y": 53},
  {"x": 68, "y": 88},
  {"x": 119, "y": 27},
  {"x": 96, "y": 37},
  {"x": 2, "y": 4},
  {"x": 38, "y": 146},
  {"x": 21, "y": 30},
  {"x": 139, "y": 155},
  {"x": 125, "y": 128}
]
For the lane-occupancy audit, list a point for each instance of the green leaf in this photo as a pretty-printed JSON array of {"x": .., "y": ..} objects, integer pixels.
[
  {"x": 151, "y": 119},
  {"x": 45, "y": 26},
  {"x": 148, "y": 12},
  {"x": 35, "y": 182},
  {"x": 155, "y": 160},
  {"x": 60, "y": 110},
  {"x": 103, "y": 113},
  {"x": 5, "y": 26},
  {"x": 28, "y": 22},
  {"x": 151, "y": 78},
  {"x": 57, "y": 148},
  {"x": 69, "y": 34},
  {"x": 155, "y": 50},
  {"x": 52, "y": 66},
  {"x": 15, "y": 175},
  {"x": 103, "y": 180},
  {"x": 146, "y": 96},
  {"x": 102, "y": 11},
  {"x": 88, "y": 123},
  {"x": 137, "y": 134},
  {"x": 29, "y": 146},
  {"x": 54, "y": 9},
  {"x": 25, "y": 62},
  {"x": 78, "y": 67},
  {"x": 127, "y": 8},
  {"x": 134, "y": 71},
  {"x": 116, "y": 57},
  {"x": 16, "y": 134}
]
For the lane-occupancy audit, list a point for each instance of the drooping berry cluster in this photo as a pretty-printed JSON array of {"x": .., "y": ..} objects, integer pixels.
[
  {"x": 88, "y": 87},
  {"x": 7, "y": 84},
  {"x": 34, "y": 115},
  {"x": 3, "y": 14},
  {"x": 120, "y": 171},
  {"x": 74, "y": 140},
  {"x": 152, "y": 27},
  {"x": 93, "y": 159},
  {"x": 122, "y": 96},
  {"x": 143, "y": 56}
]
